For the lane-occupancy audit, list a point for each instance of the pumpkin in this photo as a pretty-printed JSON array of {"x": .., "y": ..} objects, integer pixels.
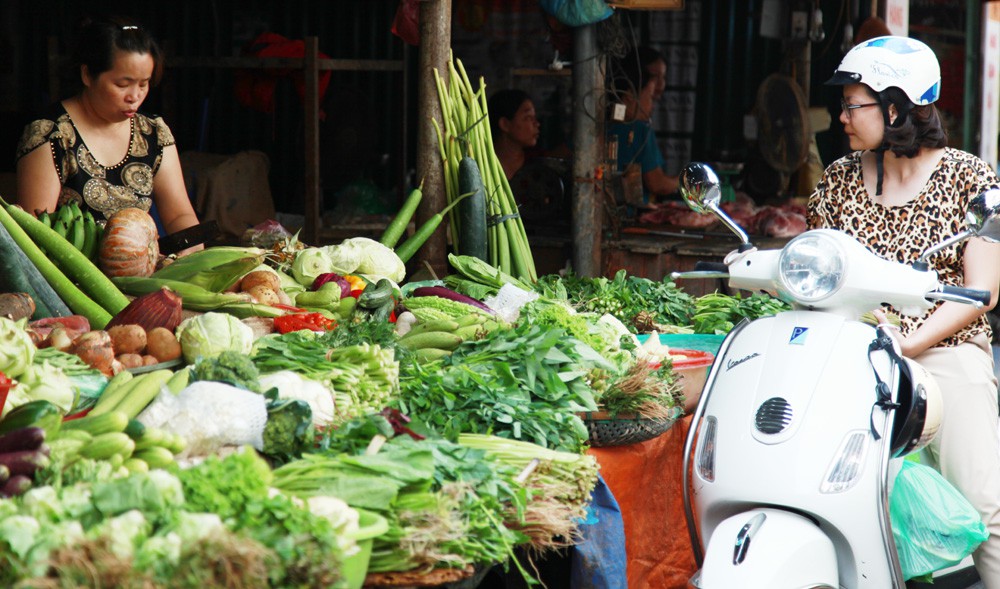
[{"x": 129, "y": 245}]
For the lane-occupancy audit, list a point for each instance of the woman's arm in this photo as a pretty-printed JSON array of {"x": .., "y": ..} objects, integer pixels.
[
  {"x": 170, "y": 194},
  {"x": 38, "y": 185},
  {"x": 982, "y": 271},
  {"x": 659, "y": 183}
]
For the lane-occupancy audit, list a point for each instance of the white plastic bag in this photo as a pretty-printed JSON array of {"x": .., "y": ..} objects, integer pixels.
[{"x": 210, "y": 415}]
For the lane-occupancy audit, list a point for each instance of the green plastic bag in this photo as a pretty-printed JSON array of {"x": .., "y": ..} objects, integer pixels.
[{"x": 933, "y": 525}]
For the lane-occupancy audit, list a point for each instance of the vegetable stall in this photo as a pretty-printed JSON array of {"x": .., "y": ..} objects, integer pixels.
[{"x": 287, "y": 414}]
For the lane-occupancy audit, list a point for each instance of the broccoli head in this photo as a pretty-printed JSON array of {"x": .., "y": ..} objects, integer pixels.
[
  {"x": 289, "y": 431},
  {"x": 230, "y": 367}
]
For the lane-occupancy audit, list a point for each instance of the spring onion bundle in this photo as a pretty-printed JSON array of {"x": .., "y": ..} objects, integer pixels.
[
  {"x": 467, "y": 133},
  {"x": 559, "y": 485}
]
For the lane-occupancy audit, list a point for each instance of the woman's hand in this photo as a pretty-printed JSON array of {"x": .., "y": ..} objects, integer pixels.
[{"x": 906, "y": 347}]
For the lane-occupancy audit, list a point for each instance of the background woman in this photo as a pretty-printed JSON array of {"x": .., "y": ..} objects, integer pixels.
[
  {"x": 901, "y": 191},
  {"x": 640, "y": 82},
  {"x": 514, "y": 127},
  {"x": 96, "y": 148}
]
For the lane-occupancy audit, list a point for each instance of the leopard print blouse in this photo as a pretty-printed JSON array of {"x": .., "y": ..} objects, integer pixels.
[{"x": 902, "y": 233}]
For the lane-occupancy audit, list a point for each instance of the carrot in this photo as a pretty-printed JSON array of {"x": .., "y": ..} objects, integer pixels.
[
  {"x": 397, "y": 227},
  {"x": 75, "y": 298},
  {"x": 421, "y": 235},
  {"x": 72, "y": 262}
]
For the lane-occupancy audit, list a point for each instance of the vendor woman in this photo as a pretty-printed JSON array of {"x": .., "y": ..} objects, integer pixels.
[
  {"x": 96, "y": 148},
  {"x": 639, "y": 81}
]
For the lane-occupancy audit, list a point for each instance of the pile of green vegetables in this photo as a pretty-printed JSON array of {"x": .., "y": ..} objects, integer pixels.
[
  {"x": 524, "y": 383},
  {"x": 448, "y": 504},
  {"x": 160, "y": 529}
]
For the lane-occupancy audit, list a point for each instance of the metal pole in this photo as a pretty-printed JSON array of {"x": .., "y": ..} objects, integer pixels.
[
  {"x": 588, "y": 118},
  {"x": 435, "y": 44}
]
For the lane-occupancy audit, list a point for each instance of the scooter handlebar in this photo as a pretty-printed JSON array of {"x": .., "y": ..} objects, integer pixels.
[
  {"x": 960, "y": 294},
  {"x": 704, "y": 270}
]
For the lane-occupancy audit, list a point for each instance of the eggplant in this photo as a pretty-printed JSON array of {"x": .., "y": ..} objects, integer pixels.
[{"x": 25, "y": 438}]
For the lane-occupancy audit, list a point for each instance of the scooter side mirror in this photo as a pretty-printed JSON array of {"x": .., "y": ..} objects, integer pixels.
[
  {"x": 982, "y": 219},
  {"x": 700, "y": 187},
  {"x": 701, "y": 190},
  {"x": 983, "y": 215}
]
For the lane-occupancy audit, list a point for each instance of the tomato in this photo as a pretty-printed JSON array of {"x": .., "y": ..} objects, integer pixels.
[{"x": 297, "y": 321}]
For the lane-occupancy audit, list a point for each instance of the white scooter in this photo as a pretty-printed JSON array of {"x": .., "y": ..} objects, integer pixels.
[{"x": 787, "y": 463}]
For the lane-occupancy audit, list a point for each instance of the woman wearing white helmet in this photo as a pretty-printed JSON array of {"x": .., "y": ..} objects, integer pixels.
[{"x": 900, "y": 191}]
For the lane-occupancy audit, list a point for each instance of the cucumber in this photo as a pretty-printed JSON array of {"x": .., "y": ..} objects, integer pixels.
[
  {"x": 472, "y": 238},
  {"x": 38, "y": 413}
]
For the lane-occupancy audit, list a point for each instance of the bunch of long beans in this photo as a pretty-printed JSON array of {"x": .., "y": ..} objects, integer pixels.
[{"x": 467, "y": 132}]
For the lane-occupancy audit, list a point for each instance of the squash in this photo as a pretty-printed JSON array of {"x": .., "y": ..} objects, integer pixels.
[{"x": 129, "y": 245}]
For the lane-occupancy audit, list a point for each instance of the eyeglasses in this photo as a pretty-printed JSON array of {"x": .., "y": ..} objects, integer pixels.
[{"x": 847, "y": 108}]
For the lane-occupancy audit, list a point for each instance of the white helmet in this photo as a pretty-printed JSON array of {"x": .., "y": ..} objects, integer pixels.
[{"x": 885, "y": 62}]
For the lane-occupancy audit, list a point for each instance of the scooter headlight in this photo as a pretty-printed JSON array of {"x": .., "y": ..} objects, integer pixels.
[{"x": 811, "y": 267}]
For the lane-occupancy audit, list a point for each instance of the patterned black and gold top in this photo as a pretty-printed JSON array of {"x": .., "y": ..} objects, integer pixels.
[
  {"x": 902, "y": 233},
  {"x": 104, "y": 190}
]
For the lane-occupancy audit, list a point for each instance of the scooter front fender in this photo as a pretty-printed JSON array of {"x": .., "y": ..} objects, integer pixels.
[{"x": 768, "y": 549}]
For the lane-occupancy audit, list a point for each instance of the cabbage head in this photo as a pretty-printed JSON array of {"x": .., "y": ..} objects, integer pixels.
[
  {"x": 210, "y": 334},
  {"x": 310, "y": 263},
  {"x": 376, "y": 260},
  {"x": 46, "y": 382},
  {"x": 17, "y": 351},
  {"x": 345, "y": 256}
]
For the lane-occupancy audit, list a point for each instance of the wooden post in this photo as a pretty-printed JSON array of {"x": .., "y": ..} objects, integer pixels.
[
  {"x": 435, "y": 44},
  {"x": 587, "y": 119},
  {"x": 311, "y": 190}
]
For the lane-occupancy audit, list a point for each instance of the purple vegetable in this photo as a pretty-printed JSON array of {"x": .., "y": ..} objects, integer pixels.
[
  {"x": 345, "y": 287},
  {"x": 447, "y": 293}
]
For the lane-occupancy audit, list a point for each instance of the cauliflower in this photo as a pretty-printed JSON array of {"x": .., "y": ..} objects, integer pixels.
[{"x": 292, "y": 385}]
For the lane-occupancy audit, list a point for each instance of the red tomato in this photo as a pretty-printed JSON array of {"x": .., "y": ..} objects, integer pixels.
[{"x": 298, "y": 321}]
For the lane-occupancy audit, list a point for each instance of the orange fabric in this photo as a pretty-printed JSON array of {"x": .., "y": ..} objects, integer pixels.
[{"x": 645, "y": 479}]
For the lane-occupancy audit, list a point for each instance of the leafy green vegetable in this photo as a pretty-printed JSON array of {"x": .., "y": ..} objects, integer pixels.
[
  {"x": 229, "y": 367},
  {"x": 236, "y": 488},
  {"x": 525, "y": 383},
  {"x": 623, "y": 296},
  {"x": 364, "y": 377},
  {"x": 718, "y": 313}
]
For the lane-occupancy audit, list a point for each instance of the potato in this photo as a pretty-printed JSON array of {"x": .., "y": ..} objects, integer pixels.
[
  {"x": 264, "y": 295},
  {"x": 148, "y": 360},
  {"x": 94, "y": 348},
  {"x": 128, "y": 339},
  {"x": 260, "y": 278},
  {"x": 162, "y": 344},
  {"x": 130, "y": 360}
]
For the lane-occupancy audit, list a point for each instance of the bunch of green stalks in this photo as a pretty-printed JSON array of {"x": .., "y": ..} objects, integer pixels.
[{"x": 467, "y": 132}]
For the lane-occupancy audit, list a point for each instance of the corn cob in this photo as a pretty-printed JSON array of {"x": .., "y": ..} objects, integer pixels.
[{"x": 214, "y": 269}]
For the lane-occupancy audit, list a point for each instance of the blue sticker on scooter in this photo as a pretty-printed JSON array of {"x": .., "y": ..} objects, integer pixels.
[{"x": 798, "y": 336}]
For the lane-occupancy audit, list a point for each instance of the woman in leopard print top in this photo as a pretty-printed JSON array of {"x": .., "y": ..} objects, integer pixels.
[{"x": 901, "y": 191}]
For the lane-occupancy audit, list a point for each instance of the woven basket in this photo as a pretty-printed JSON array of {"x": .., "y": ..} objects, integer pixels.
[{"x": 623, "y": 429}]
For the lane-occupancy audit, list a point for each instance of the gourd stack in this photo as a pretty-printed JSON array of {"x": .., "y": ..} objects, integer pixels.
[{"x": 467, "y": 133}]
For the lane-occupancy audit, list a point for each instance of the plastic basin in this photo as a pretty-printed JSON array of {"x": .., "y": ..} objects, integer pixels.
[
  {"x": 692, "y": 369},
  {"x": 355, "y": 567}
]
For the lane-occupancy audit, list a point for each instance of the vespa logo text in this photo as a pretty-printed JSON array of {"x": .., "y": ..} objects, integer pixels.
[{"x": 734, "y": 363}]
